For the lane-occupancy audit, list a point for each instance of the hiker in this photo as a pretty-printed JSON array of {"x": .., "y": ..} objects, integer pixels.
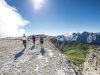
[
  {"x": 42, "y": 48},
  {"x": 24, "y": 38},
  {"x": 33, "y": 38},
  {"x": 41, "y": 41}
]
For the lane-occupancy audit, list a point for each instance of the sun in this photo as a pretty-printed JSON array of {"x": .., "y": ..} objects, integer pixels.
[{"x": 38, "y": 4}]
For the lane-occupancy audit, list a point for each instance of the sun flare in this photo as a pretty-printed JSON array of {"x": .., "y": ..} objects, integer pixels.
[{"x": 38, "y": 4}]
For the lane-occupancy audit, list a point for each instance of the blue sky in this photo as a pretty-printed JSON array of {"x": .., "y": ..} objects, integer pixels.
[{"x": 60, "y": 16}]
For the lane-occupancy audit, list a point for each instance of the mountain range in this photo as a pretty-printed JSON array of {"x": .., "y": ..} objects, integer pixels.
[{"x": 85, "y": 37}]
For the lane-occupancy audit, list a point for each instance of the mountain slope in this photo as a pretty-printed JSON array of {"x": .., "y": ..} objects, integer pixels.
[{"x": 92, "y": 63}]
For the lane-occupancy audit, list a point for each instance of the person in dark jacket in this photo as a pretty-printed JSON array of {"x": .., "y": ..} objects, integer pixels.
[
  {"x": 33, "y": 39},
  {"x": 41, "y": 43}
]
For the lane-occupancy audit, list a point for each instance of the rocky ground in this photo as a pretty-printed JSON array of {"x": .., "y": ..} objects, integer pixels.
[
  {"x": 92, "y": 63},
  {"x": 15, "y": 60}
]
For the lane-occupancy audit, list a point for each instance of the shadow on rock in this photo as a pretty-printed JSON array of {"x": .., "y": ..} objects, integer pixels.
[
  {"x": 19, "y": 54},
  {"x": 32, "y": 47}
]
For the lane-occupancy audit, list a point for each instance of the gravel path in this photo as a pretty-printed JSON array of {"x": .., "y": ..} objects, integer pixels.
[{"x": 31, "y": 62}]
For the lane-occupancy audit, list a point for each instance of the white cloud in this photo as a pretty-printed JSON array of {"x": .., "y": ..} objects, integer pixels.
[{"x": 11, "y": 22}]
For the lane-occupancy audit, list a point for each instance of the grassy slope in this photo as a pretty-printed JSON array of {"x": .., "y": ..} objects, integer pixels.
[
  {"x": 74, "y": 50},
  {"x": 77, "y": 52}
]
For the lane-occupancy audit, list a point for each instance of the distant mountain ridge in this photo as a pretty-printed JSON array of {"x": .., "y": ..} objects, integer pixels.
[{"x": 85, "y": 37}]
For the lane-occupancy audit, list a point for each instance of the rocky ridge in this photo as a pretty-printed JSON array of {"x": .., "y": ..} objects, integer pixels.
[{"x": 19, "y": 61}]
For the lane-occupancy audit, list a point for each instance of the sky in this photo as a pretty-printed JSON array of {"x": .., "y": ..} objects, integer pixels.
[{"x": 51, "y": 17}]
